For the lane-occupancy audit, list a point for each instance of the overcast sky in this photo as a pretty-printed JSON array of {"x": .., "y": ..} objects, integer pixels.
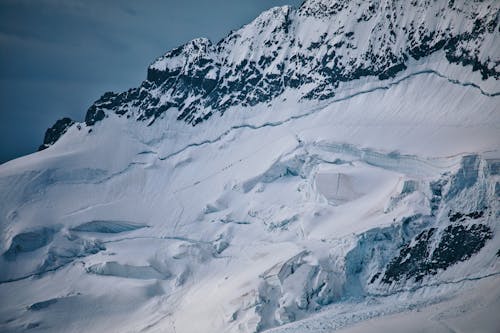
[{"x": 58, "y": 56}]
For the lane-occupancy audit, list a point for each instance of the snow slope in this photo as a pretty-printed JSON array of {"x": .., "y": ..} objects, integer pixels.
[{"x": 290, "y": 214}]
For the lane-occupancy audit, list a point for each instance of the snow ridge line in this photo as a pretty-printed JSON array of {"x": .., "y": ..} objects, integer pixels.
[
  {"x": 300, "y": 116},
  {"x": 321, "y": 107},
  {"x": 118, "y": 173},
  {"x": 179, "y": 238},
  {"x": 39, "y": 274}
]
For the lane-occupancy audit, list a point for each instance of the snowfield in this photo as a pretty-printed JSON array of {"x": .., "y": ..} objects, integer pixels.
[{"x": 375, "y": 210}]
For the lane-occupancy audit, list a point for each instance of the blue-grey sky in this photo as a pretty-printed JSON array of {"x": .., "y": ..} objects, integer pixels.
[{"x": 58, "y": 56}]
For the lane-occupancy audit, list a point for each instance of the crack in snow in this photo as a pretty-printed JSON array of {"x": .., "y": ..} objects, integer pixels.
[{"x": 321, "y": 107}]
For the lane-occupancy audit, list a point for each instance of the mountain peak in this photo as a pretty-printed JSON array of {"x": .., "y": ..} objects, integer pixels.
[{"x": 309, "y": 51}]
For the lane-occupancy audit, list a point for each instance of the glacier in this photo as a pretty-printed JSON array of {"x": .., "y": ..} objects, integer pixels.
[{"x": 330, "y": 167}]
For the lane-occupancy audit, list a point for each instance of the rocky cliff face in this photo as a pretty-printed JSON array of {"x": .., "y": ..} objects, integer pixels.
[{"x": 55, "y": 132}]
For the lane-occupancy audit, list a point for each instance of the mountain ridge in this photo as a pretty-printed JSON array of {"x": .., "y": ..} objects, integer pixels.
[{"x": 259, "y": 61}]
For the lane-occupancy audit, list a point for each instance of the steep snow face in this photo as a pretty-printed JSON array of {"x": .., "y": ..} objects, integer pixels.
[
  {"x": 313, "y": 211},
  {"x": 311, "y": 51}
]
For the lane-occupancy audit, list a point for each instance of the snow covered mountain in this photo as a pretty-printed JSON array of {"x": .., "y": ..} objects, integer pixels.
[
  {"x": 316, "y": 48},
  {"x": 319, "y": 167}
]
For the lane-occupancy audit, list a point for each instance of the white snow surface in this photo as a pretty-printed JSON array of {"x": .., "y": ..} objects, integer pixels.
[{"x": 259, "y": 219}]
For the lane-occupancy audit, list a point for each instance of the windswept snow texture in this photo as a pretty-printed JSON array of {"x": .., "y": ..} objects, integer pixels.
[{"x": 348, "y": 181}]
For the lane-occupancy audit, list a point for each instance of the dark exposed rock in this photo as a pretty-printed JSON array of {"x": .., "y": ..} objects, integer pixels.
[
  {"x": 459, "y": 243},
  {"x": 456, "y": 216},
  {"x": 461, "y": 216},
  {"x": 418, "y": 258},
  {"x": 94, "y": 115},
  {"x": 55, "y": 132},
  {"x": 407, "y": 264}
]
